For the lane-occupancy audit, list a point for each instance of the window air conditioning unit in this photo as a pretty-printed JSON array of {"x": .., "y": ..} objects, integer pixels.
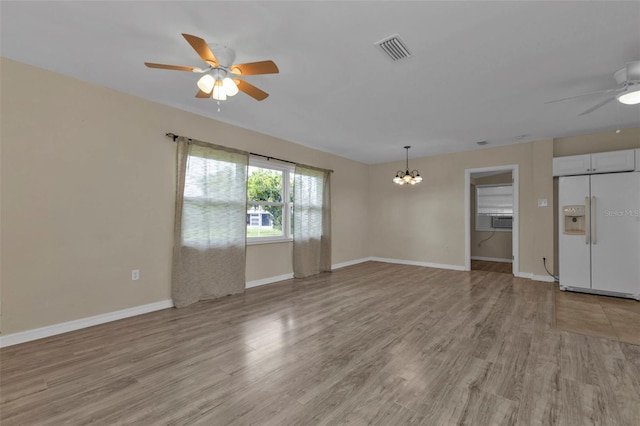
[{"x": 502, "y": 222}]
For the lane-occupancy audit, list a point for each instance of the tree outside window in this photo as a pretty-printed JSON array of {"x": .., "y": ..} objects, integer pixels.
[{"x": 269, "y": 201}]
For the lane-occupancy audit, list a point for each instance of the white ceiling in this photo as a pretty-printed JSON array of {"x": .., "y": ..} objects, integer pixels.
[{"x": 480, "y": 71}]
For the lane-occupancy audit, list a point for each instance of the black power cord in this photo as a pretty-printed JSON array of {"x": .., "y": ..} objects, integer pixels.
[
  {"x": 544, "y": 262},
  {"x": 487, "y": 239}
]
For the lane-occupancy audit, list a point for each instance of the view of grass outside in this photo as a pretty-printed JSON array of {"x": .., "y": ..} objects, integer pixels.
[{"x": 257, "y": 232}]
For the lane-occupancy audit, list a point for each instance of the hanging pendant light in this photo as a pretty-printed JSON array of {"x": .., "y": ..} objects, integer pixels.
[{"x": 409, "y": 177}]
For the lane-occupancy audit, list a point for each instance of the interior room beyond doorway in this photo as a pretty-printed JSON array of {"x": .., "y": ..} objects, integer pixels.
[{"x": 491, "y": 216}]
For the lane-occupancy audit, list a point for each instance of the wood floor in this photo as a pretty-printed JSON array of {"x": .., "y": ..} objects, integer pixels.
[
  {"x": 483, "y": 265},
  {"x": 373, "y": 343}
]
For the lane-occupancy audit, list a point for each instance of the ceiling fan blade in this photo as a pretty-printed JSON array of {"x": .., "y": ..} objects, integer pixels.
[
  {"x": 586, "y": 94},
  {"x": 203, "y": 95},
  {"x": 254, "y": 68},
  {"x": 200, "y": 46},
  {"x": 172, "y": 67},
  {"x": 596, "y": 106},
  {"x": 251, "y": 90}
]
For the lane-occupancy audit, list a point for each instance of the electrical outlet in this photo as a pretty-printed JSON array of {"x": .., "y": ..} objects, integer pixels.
[
  {"x": 135, "y": 274},
  {"x": 542, "y": 202}
]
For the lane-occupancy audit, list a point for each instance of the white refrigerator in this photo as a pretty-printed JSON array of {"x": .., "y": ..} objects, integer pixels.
[{"x": 599, "y": 234}]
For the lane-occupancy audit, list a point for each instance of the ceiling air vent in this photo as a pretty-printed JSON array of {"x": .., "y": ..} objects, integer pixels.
[{"x": 395, "y": 47}]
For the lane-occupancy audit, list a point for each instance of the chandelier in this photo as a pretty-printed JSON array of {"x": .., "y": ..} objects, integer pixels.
[{"x": 411, "y": 177}]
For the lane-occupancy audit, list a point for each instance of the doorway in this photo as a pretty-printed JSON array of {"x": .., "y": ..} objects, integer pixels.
[{"x": 491, "y": 219}]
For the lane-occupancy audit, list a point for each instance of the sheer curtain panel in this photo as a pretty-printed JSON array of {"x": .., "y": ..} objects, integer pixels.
[
  {"x": 210, "y": 230},
  {"x": 311, "y": 221}
]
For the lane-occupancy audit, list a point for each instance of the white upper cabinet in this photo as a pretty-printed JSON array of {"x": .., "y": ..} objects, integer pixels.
[
  {"x": 572, "y": 165},
  {"x": 614, "y": 161},
  {"x": 602, "y": 162}
]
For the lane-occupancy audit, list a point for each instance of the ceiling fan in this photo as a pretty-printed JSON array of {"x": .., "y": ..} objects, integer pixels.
[
  {"x": 221, "y": 76},
  {"x": 628, "y": 78}
]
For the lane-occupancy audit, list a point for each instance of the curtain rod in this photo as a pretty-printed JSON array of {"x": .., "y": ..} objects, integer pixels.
[{"x": 268, "y": 157}]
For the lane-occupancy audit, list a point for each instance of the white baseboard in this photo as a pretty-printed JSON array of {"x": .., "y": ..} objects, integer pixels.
[
  {"x": 269, "y": 280},
  {"x": 532, "y": 276},
  {"x": 491, "y": 259},
  {"x": 416, "y": 263},
  {"x": 544, "y": 278},
  {"x": 65, "y": 327},
  {"x": 350, "y": 262}
]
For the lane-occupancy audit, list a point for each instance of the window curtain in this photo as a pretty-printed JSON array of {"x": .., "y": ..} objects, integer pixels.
[
  {"x": 209, "y": 230},
  {"x": 311, "y": 221}
]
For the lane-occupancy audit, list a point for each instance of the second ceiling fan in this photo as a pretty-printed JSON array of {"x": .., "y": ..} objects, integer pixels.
[
  {"x": 627, "y": 92},
  {"x": 221, "y": 76}
]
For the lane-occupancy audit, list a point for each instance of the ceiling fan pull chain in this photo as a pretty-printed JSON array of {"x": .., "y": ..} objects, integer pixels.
[{"x": 218, "y": 106}]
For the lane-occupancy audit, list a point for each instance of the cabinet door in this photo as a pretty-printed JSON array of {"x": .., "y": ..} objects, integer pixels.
[
  {"x": 614, "y": 161},
  {"x": 615, "y": 232},
  {"x": 638, "y": 160},
  {"x": 572, "y": 165}
]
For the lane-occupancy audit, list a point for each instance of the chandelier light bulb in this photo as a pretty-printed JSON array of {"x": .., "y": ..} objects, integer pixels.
[{"x": 206, "y": 83}]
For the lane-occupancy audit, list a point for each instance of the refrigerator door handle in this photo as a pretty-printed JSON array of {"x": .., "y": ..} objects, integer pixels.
[
  {"x": 594, "y": 216},
  {"x": 586, "y": 220}
]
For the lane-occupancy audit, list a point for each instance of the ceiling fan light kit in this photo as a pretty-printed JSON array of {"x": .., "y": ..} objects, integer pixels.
[
  {"x": 216, "y": 82},
  {"x": 629, "y": 77},
  {"x": 631, "y": 96}
]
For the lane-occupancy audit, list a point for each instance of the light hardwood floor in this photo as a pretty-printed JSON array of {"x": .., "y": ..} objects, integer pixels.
[
  {"x": 483, "y": 265},
  {"x": 373, "y": 343}
]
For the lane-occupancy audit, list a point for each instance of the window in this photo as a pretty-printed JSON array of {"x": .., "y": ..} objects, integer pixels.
[
  {"x": 494, "y": 207},
  {"x": 211, "y": 204},
  {"x": 270, "y": 201}
]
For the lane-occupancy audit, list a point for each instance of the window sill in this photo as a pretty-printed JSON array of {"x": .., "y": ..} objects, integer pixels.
[
  {"x": 258, "y": 241},
  {"x": 494, "y": 229}
]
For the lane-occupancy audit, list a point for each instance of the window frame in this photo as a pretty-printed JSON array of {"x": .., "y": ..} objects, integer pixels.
[
  {"x": 287, "y": 174},
  {"x": 490, "y": 228}
]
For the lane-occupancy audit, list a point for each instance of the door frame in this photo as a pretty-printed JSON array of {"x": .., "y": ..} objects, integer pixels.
[{"x": 515, "y": 230}]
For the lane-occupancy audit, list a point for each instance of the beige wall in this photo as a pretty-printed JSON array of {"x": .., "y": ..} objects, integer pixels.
[
  {"x": 426, "y": 222},
  {"x": 490, "y": 244},
  {"x": 87, "y": 195},
  {"x": 597, "y": 142}
]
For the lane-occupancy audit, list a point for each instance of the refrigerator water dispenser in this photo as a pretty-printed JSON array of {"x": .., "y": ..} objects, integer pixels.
[{"x": 574, "y": 220}]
